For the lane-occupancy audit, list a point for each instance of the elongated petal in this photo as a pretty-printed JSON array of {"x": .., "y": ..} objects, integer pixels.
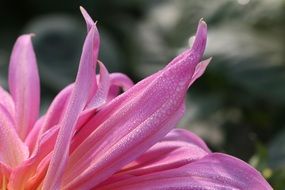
[
  {"x": 24, "y": 84},
  {"x": 179, "y": 147},
  {"x": 89, "y": 21},
  {"x": 120, "y": 153},
  {"x": 12, "y": 149},
  {"x": 79, "y": 97},
  {"x": 146, "y": 115},
  {"x": 215, "y": 171},
  {"x": 57, "y": 108}
]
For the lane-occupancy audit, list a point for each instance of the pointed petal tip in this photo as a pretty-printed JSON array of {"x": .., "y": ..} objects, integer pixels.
[
  {"x": 82, "y": 10},
  {"x": 202, "y": 21},
  {"x": 199, "y": 44},
  {"x": 209, "y": 59},
  {"x": 89, "y": 21}
]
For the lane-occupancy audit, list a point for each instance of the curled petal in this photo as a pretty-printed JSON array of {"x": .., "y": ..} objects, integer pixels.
[
  {"x": 200, "y": 69},
  {"x": 101, "y": 94},
  {"x": 119, "y": 81},
  {"x": 179, "y": 147},
  {"x": 214, "y": 171},
  {"x": 24, "y": 85}
]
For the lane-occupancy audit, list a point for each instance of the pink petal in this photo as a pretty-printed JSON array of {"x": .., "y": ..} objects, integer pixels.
[
  {"x": 77, "y": 102},
  {"x": 118, "y": 81},
  {"x": 89, "y": 21},
  {"x": 89, "y": 171},
  {"x": 4, "y": 175},
  {"x": 134, "y": 122},
  {"x": 12, "y": 149},
  {"x": 179, "y": 147},
  {"x": 101, "y": 94},
  {"x": 29, "y": 168},
  {"x": 7, "y": 103},
  {"x": 32, "y": 137},
  {"x": 24, "y": 85},
  {"x": 215, "y": 171},
  {"x": 57, "y": 108},
  {"x": 200, "y": 69}
]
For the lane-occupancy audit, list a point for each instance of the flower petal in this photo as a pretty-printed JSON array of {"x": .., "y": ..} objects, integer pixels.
[
  {"x": 101, "y": 94},
  {"x": 134, "y": 122},
  {"x": 56, "y": 109},
  {"x": 33, "y": 136},
  {"x": 89, "y": 171},
  {"x": 4, "y": 175},
  {"x": 24, "y": 84},
  {"x": 89, "y": 21},
  {"x": 200, "y": 69},
  {"x": 29, "y": 168},
  {"x": 118, "y": 81},
  {"x": 78, "y": 100},
  {"x": 179, "y": 147},
  {"x": 7, "y": 103},
  {"x": 215, "y": 171},
  {"x": 12, "y": 149}
]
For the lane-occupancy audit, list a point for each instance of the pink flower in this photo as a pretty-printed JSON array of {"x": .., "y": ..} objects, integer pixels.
[{"x": 92, "y": 137}]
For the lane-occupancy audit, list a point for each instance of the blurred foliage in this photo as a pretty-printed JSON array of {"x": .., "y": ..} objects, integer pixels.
[{"x": 238, "y": 106}]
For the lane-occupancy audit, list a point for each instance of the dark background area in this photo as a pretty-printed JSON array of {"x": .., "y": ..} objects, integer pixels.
[{"x": 237, "y": 107}]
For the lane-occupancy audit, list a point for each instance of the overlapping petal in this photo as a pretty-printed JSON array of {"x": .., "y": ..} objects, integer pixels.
[
  {"x": 78, "y": 100},
  {"x": 135, "y": 125},
  {"x": 214, "y": 171},
  {"x": 12, "y": 149},
  {"x": 94, "y": 136},
  {"x": 24, "y": 85},
  {"x": 179, "y": 147}
]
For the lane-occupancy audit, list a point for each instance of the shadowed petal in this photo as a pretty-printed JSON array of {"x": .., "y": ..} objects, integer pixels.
[
  {"x": 24, "y": 85},
  {"x": 94, "y": 170},
  {"x": 56, "y": 109},
  {"x": 12, "y": 149},
  {"x": 101, "y": 94},
  {"x": 118, "y": 81},
  {"x": 7, "y": 103},
  {"x": 4, "y": 175},
  {"x": 179, "y": 147},
  {"x": 29, "y": 168},
  {"x": 200, "y": 69},
  {"x": 215, "y": 171}
]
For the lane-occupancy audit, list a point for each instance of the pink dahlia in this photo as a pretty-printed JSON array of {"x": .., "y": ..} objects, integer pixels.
[{"x": 94, "y": 137}]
